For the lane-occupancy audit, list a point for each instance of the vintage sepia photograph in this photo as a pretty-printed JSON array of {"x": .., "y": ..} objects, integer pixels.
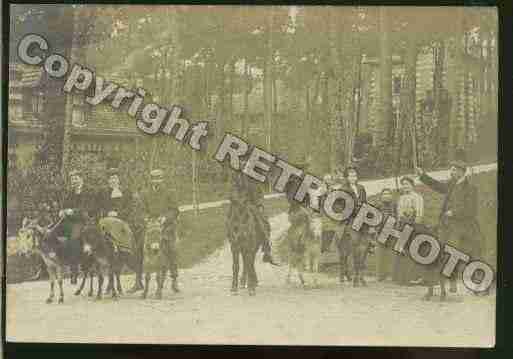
[{"x": 251, "y": 175}]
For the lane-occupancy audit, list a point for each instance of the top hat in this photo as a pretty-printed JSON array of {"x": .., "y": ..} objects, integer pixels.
[{"x": 157, "y": 176}]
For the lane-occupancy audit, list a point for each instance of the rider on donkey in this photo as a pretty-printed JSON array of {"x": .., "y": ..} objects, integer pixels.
[
  {"x": 247, "y": 192},
  {"x": 158, "y": 202},
  {"x": 118, "y": 202},
  {"x": 74, "y": 215}
]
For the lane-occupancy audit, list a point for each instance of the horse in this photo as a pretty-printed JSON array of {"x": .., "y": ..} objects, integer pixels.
[
  {"x": 55, "y": 256},
  {"x": 243, "y": 236},
  {"x": 157, "y": 256}
]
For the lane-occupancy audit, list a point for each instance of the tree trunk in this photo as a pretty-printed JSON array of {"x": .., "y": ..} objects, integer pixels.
[
  {"x": 267, "y": 88},
  {"x": 247, "y": 89},
  {"x": 456, "y": 125},
  {"x": 385, "y": 114},
  {"x": 68, "y": 113},
  {"x": 408, "y": 107},
  {"x": 335, "y": 125}
]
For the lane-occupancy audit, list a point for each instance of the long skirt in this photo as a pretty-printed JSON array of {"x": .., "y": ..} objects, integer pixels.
[{"x": 405, "y": 268}]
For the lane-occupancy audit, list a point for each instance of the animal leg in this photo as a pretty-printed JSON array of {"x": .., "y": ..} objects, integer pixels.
[
  {"x": 244, "y": 275},
  {"x": 443, "y": 292},
  {"x": 161, "y": 277},
  {"x": 147, "y": 278},
  {"x": 235, "y": 269},
  {"x": 252, "y": 276},
  {"x": 118, "y": 280},
  {"x": 82, "y": 284},
  {"x": 246, "y": 264},
  {"x": 100, "y": 285},
  {"x": 91, "y": 289},
  {"x": 61, "y": 291},
  {"x": 110, "y": 284},
  {"x": 51, "y": 272}
]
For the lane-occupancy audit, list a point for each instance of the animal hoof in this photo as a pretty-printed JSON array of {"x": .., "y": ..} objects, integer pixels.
[
  {"x": 120, "y": 290},
  {"x": 90, "y": 294},
  {"x": 143, "y": 296},
  {"x": 158, "y": 295},
  {"x": 49, "y": 300},
  {"x": 61, "y": 300},
  {"x": 252, "y": 292},
  {"x": 77, "y": 292}
]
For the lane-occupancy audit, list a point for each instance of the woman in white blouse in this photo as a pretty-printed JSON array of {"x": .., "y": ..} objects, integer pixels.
[{"x": 410, "y": 210}]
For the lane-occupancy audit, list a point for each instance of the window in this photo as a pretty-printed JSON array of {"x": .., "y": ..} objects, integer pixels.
[
  {"x": 16, "y": 111},
  {"x": 396, "y": 85},
  {"x": 37, "y": 103}
]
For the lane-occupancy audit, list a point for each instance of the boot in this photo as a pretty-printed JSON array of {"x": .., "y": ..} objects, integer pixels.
[{"x": 174, "y": 286}]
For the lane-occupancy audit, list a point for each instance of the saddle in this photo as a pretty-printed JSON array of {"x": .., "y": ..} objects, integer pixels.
[{"x": 118, "y": 231}]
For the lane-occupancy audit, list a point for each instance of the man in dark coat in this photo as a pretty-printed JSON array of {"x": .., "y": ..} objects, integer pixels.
[
  {"x": 159, "y": 202},
  {"x": 457, "y": 222},
  {"x": 247, "y": 193},
  {"x": 75, "y": 213}
]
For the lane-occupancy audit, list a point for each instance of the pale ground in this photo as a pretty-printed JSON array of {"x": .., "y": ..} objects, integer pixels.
[{"x": 206, "y": 312}]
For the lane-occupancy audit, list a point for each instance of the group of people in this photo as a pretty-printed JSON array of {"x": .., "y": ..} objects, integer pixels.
[
  {"x": 83, "y": 204},
  {"x": 457, "y": 222},
  {"x": 457, "y": 226}
]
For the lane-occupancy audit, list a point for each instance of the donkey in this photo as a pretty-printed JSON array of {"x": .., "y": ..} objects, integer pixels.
[
  {"x": 55, "y": 256},
  {"x": 120, "y": 258},
  {"x": 101, "y": 257},
  {"x": 244, "y": 242},
  {"x": 157, "y": 256}
]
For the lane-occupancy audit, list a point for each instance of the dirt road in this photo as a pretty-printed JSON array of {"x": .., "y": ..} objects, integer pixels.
[{"x": 206, "y": 312}]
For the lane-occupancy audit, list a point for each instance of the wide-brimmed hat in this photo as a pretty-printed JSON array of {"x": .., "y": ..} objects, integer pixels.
[
  {"x": 408, "y": 179},
  {"x": 157, "y": 176}
]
